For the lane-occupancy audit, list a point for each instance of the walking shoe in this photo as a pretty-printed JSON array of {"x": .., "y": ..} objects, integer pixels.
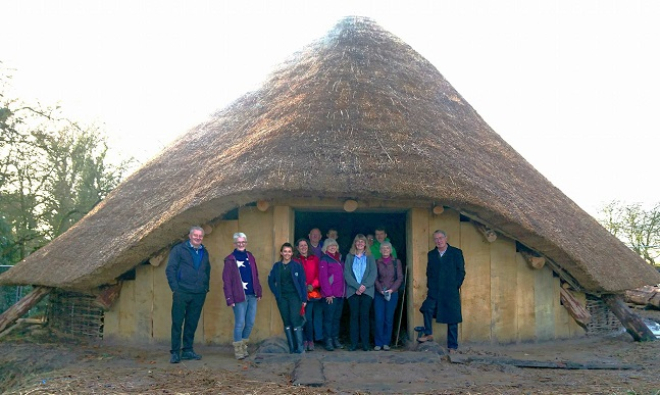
[
  {"x": 425, "y": 338},
  {"x": 377, "y": 348},
  {"x": 190, "y": 355},
  {"x": 386, "y": 347},
  {"x": 174, "y": 358},
  {"x": 310, "y": 346},
  {"x": 453, "y": 351}
]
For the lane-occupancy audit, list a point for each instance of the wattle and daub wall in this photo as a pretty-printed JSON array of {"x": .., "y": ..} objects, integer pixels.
[{"x": 503, "y": 298}]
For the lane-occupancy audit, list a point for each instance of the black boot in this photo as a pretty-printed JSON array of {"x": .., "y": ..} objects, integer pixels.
[
  {"x": 289, "y": 338},
  {"x": 300, "y": 346},
  {"x": 328, "y": 344}
]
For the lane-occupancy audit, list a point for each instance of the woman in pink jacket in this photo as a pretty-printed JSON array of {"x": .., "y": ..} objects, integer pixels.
[{"x": 314, "y": 308}]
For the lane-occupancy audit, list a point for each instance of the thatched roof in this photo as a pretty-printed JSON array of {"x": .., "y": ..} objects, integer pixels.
[{"x": 356, "y": 114}]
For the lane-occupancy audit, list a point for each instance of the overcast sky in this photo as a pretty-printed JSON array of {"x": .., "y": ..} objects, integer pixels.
[{"x": 571, "y": 85}]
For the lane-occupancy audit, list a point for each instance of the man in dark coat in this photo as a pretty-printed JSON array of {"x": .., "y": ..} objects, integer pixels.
[
  {"x": 188, "y": 272},
  {"x": 445, "y": 273}
]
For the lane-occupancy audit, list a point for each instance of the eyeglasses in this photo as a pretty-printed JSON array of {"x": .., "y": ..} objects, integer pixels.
[{"x": 241, "y": 242}]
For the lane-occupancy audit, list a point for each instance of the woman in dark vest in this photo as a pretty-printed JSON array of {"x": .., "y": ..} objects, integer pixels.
[{"x": 287, "y": 282}]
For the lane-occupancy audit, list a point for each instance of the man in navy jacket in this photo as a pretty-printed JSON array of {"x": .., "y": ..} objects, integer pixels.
[
  {"x": 445, "y": 273},
  {"x": 188, "y": 271}
]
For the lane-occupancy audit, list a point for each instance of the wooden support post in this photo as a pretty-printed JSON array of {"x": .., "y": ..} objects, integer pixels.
[
  {"x": 488, "y": 233},
  {"x": 22, "y": 306},
  {"x": 108, "y": 296},
  {"x": 535, "y": 262},
  {"x": 575, "y": 309},
  {"x": 631, "y": 321}
]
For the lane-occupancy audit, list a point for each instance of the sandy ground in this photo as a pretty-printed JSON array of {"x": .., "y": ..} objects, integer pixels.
[{"x": 34, "y": 361}]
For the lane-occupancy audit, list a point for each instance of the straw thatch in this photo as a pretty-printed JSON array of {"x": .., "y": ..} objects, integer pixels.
[{"x": 356, "y": 114}]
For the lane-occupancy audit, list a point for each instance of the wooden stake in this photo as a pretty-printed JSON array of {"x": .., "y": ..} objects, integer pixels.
[
  {"x": 263, "y": 205},
  {"x": 22, "y": 306},
  {"x": 631, "y": 321},
  {"x": 350, "y": 205}
]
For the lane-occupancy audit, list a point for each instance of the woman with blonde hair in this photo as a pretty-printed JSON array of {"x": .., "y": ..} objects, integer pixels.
[{"x": 360, "y": 275}]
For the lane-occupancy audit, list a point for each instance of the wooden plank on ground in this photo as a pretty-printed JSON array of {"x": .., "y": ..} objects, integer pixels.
[
  {"x": 544, "y": 300},
  {"x": 526, "y": 363},
  {"x": 417, "y": 246},
  {"x": 258, "y": 226},
  {"x": 476, "y": 290},
  {"x": 504, "y": 287},
  {"x": 218, "y": 317},
  {"x": 525, "y": 300},
  {"x": 308, "y": 372}
]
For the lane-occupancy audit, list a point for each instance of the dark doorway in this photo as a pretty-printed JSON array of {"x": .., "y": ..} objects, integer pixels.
[{"x": 350, "y": 224}]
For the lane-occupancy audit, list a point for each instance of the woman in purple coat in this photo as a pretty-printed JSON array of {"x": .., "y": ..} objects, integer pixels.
[
  {"x": 331, "y": 277},
  {"x": 242, "y": 291}
]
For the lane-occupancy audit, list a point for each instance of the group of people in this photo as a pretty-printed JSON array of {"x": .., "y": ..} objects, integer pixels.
[{"x": 310, "y": 283}]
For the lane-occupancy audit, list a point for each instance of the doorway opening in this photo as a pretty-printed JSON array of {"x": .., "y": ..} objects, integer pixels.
[{"x": 348, "y": 225}]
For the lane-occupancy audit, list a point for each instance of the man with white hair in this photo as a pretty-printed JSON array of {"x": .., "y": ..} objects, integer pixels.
[{"x": 188, "y": 272}]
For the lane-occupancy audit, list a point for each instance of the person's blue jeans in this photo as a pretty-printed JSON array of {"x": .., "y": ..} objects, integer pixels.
[
  {"x": 314, "y": 317},
  {"x": 245, "y": 313},
  {"x": 428, "y": 307},
  {"x": 384, "y": 318}
]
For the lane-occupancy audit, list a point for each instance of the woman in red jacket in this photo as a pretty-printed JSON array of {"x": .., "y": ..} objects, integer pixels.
[{"x": 314, "y": 308}]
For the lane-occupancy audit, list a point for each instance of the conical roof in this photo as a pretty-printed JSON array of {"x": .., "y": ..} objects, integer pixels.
[{"x": 355, "y": 114}]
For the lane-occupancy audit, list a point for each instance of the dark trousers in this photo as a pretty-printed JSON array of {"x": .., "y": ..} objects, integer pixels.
[
  {"x": 290, "y": 305},
  {"x": 360, "y": 306},
  {"x": 314, "y": 317},
  {"x": 186, "y": 310},
  {"x": 332, "y": 317},
  {"x": 428, "y": 309}
]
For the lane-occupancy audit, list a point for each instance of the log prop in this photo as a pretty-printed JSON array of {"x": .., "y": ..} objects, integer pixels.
[
  {"x": 108, "y": 296},
  {"x": 646, "y": 296},
  {"x": 575, "y": 309},
  {"x": 631, "y": 321},
  {"x": 22, "y": 306},
  {"x": 535, "y": 262},
  {"x": 486, "y": 232}
]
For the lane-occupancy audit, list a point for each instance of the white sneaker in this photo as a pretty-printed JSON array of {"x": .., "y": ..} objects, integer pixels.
[
  {"x": 377, "y": 348},
  {"x": 386, "y": 348}
]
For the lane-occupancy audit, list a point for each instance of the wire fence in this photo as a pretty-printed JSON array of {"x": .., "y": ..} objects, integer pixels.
[{"x": 10, "y": 294}]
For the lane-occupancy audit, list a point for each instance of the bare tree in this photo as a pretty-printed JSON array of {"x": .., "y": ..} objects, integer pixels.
[{"x": 637, "y": 227}]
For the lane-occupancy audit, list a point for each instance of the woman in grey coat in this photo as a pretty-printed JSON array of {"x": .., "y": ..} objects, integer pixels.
[{"x": 360, "y": 274}]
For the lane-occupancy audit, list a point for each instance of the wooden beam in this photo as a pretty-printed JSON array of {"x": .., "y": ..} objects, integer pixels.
[
  {"x": 108, "y": 297},
  {"x": 22, "y": 306},
  {"x": 350, "y": 205},
  {"x": 263, "y": 205},
  {"x": 574, "y": 307},
  {"x": 437, "y": 210},
  {"x": 535, "y": 262},
  {"x": 156, "y": 260},
  {"x": 631, "y": 321},
  {"x": 646, "y": 296},
  {"x": 486, "y": 232}
]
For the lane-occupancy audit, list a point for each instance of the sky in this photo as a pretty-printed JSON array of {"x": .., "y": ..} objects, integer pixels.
[{"x": 571, "y": 85}]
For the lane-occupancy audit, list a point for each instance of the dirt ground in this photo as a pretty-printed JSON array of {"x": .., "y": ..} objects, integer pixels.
[{"x": 34, "y": 361}]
